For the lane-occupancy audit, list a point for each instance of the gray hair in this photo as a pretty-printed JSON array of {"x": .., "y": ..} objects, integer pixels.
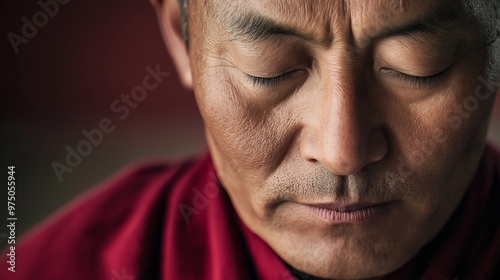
[{"x": 184, "y": 20}]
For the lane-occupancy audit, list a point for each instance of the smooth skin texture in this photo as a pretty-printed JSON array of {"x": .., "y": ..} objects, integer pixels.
[{"x": 340, "y": 102}]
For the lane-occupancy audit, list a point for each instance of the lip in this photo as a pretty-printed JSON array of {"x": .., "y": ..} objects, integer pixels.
[
  {"x": 344, "y": 207},
  {"x": 347, "y": 212}
]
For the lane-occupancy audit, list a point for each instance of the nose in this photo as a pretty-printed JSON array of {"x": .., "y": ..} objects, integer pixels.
[{"x": 344, "y": 132}]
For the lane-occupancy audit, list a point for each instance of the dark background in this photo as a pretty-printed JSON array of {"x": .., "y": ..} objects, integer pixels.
[{"x": 65, "y": 79}]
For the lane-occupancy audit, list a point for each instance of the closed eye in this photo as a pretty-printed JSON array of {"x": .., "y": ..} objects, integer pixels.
[
  {"x": 415, "y": 81},
  {"x": 272, "y": 81}
]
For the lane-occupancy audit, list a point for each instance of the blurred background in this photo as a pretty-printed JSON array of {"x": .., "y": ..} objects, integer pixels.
[{"x": 65, "y": 78}]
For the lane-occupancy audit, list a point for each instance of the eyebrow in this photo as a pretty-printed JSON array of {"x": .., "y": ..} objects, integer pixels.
[
  {"x": 252, "y": 27},
  {"x": 445, "y": 20}
]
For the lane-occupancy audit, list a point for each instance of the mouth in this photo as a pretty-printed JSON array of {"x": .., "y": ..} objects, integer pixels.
[{"x": 348, "y": 212}]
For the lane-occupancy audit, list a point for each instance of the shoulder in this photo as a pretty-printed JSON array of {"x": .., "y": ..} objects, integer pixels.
[{"x": 105, "y": 229}]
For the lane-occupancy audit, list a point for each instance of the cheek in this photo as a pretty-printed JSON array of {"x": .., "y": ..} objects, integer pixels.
[
  {"x": 249, "y": 135},
  {"x": 444, "y": 129},
  {"x": 440, "y": 142}
]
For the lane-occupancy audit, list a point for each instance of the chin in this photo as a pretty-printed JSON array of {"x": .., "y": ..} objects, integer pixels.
[
  {"x": 344, "y": 251},
  {"x": 361, "y": 263}
]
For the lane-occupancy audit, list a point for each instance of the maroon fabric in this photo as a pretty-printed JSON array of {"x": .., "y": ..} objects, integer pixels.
[{"x": 161, "y": 221}]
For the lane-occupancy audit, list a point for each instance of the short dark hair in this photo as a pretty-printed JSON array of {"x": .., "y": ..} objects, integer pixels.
[{"x": 184, "y": 21}]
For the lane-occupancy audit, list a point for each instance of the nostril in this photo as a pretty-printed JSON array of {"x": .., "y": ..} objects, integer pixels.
[{"x": 311, "y": 159}]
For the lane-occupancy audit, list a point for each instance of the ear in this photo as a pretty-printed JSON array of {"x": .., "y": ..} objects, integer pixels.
[{"x": 169, "y": 17}]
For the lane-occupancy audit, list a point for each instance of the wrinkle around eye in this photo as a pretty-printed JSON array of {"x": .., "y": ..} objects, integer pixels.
[
  {"x": 270, "y": 59},
  {"x": 416, "y": 57}
]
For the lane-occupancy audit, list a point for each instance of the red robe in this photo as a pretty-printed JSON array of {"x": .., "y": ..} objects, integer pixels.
[{"x": 161, "y": 221}]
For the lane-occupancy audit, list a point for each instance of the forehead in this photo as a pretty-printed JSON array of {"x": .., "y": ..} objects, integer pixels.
[{"x": 330, "y": 18}]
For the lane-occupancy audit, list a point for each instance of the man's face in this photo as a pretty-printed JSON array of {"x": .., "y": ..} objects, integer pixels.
[{"x": 345, "y": 132}]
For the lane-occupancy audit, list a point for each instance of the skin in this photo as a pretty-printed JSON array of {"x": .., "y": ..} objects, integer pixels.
[{"x": 347, "y": 124}]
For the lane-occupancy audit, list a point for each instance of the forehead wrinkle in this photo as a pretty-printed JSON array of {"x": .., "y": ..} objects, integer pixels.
[
  {"x": 365, "y": 9},
  {"x": 408, "y": 18},
  {"x": 308, "y": 13},
  {"x": 293, "y": 14},
  {"x": 307, "y": 17},
  {"x": 256, "y": 27}
]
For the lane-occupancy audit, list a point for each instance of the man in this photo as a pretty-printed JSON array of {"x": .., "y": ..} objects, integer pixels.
[{"x": 346, "y": 139}]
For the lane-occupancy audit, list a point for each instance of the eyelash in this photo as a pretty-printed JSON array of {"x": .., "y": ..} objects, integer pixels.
[
  {"x": 271, "y": 82},
  {"x": 417, "y": 81},
  {"x": 414, "y": 81}
]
